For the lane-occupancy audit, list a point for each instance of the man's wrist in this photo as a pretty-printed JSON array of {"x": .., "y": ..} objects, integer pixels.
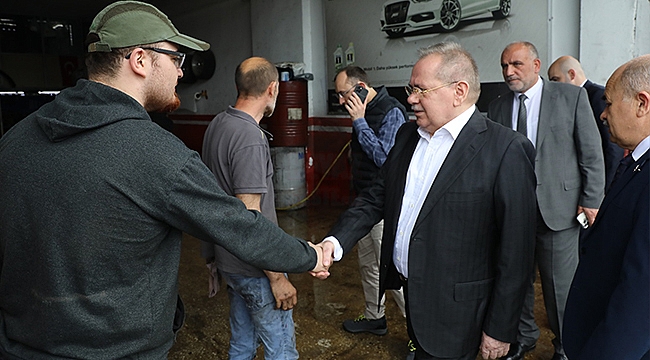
[
  {"x": 274, "y": 277},
  {"x": 338, "y": 250}
]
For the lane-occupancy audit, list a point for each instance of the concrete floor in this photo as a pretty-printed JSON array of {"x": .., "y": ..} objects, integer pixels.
[{"x": 322, "y": 306}]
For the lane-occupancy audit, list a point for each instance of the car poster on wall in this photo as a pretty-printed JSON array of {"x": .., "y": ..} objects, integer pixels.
[{"x": 383, "y": 36}]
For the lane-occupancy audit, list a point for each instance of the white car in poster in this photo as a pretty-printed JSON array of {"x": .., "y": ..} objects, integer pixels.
[{"x": 397, "y": 16}]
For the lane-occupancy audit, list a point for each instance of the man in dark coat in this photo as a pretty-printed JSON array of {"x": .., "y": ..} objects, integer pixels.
[
  {"x": 457, "y": 195},
  {"x": 607, "y": 314}
]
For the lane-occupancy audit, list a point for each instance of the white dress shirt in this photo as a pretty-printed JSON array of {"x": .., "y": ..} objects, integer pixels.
[
  {"x": 533, "y": 104},
  {"x": 428, "y": 157},
  {"x": 429, "y": 154}
]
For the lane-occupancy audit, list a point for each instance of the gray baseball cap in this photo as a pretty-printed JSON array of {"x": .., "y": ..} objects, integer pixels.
[{"x": 129, "y": 23}]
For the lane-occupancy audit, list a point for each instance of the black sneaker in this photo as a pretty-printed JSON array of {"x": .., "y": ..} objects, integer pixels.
[{"x": 361, "y": 324}]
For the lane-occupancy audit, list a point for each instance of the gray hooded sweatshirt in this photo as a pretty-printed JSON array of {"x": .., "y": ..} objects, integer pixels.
[{"x": 94, "y": 198}]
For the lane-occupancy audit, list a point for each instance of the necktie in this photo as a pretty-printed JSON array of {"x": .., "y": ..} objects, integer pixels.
[
  {"x": 521, "y": 116},
  {"x": 622, "y": 166}
]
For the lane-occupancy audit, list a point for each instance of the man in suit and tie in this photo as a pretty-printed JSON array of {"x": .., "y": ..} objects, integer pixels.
[
  {"x": 567, "y": 69},
  {"x": 608, "y": 310},
  {"x": 558, "y": 120},
  {"x": 457, "y": 195}
]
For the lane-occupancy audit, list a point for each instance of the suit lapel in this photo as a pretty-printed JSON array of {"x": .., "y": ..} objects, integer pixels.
[
  {"x": 545, "y": 113},
  {"x": 622, "y": 181},
  {"x": 401, "y": 169},
  {"x": 465, "y": 148},
  {"x": 405, "y": 160}
]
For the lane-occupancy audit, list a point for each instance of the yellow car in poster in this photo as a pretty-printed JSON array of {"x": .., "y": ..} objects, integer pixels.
[{"x": 397, "y": 16}]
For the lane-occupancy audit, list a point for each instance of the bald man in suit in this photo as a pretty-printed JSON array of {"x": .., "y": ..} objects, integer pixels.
[
  {"x": 568, "y": 69},
  {"x": 569, "y": 166},
  {"x": 608, "y": 310}
]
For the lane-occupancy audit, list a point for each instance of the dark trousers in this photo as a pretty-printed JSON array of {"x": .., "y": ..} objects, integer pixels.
[{"x": 420, "y": 354}]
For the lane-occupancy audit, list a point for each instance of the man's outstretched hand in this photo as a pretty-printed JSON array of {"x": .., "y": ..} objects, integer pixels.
[{"x": 325, "y": 251}]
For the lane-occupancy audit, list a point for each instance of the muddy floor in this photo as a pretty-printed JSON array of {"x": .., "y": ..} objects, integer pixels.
[{"x": 322, "y": 306}]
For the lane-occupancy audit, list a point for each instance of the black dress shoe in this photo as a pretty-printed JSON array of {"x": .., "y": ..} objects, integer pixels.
[
  {"x": 559, "y": 357},
  {"x": 517, "y": 351}
]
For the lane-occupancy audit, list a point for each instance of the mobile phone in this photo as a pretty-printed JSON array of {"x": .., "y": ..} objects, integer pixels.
[
  {"x": 582, "y": 219},
  {"x": 361, "y": 92}
]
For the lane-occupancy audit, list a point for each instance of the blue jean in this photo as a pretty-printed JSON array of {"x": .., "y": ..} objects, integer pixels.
[{"x": 254, "y": 320}]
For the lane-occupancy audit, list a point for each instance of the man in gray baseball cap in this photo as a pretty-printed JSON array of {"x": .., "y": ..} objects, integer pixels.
[{"x": 95, "y": 198}]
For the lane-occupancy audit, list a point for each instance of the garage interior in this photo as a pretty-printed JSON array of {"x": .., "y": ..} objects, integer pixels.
[{"x": 322, "y": 305}]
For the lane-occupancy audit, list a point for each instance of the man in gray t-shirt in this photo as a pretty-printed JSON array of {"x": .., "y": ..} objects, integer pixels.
[{"x": 235, "y": 148}]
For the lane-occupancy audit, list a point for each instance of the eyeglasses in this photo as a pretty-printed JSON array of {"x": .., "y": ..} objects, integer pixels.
[
  {"x": 177, "y": 57},
  {"x": 417, "y": 91},
  {"x": 341, "y": 94}
]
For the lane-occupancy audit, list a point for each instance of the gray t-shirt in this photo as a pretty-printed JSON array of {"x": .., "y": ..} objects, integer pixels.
[{"x": 237, "y": 152}]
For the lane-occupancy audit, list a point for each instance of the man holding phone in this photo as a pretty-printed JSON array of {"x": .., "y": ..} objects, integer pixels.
[{"x": 376, "y": 116}]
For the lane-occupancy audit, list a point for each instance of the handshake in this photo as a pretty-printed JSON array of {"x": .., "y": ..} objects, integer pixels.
[{"x": 325, "y": 252}]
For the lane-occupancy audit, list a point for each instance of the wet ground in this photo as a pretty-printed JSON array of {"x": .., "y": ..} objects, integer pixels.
[{"x": 322, "y": 306}]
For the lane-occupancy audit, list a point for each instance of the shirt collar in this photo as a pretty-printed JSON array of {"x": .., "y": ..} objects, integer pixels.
[
  {"x": 454, "y": 126},
  {"x": 241, "y": 114},
  {"x": 641, "y": 149},
  {"x": 583, "y": 83}
]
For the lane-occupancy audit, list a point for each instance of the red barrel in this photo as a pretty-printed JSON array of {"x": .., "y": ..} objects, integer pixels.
[{"x": 288, "y": 124}]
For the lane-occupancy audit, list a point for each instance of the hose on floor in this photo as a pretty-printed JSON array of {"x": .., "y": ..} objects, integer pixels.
[{"x": 319, "y": 182}]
